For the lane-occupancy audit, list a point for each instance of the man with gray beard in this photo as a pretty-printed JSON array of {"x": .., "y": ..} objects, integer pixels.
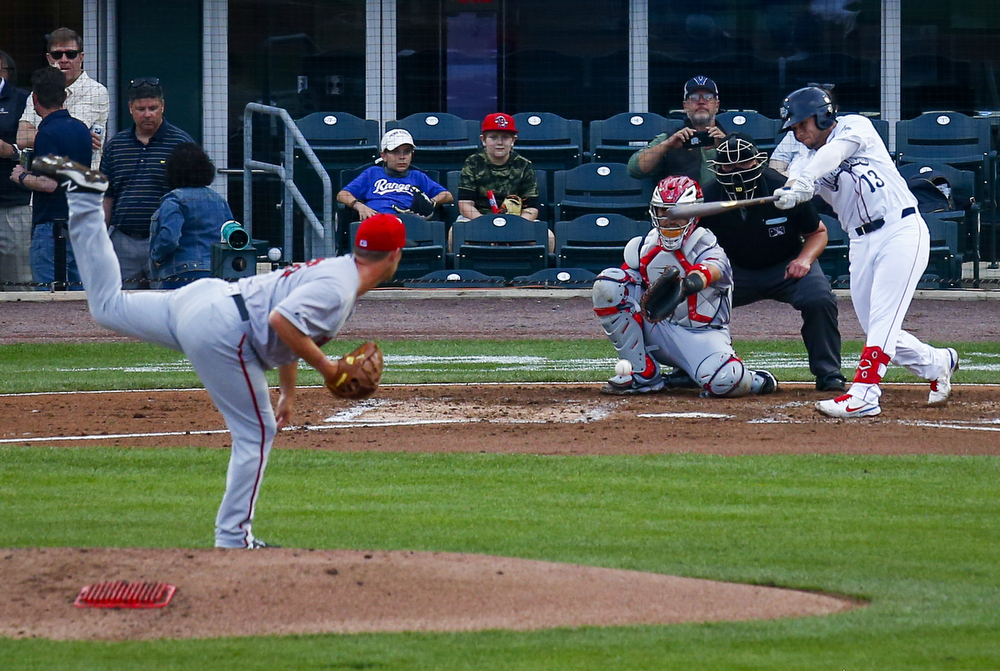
[{"x": 689, "y": 150}]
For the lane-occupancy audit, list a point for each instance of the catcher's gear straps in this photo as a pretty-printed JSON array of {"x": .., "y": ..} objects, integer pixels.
[{"x": 618, "y": 311}]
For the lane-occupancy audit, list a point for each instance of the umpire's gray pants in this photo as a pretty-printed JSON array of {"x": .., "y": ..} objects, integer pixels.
[
  {"x": 811, "y": 296},
  {"x": 203, "y": 321}
]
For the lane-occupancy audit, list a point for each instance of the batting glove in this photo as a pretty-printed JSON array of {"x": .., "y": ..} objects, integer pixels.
[{"x": 801, "y": 191}]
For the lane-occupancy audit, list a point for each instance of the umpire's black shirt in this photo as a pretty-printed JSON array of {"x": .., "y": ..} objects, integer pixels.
[{"x": 760, "y": 236}]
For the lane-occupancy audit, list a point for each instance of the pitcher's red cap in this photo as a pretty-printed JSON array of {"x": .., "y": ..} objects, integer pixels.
[
  {"x": 499, "y": 121},
  {"x": 381, "y": 233}
]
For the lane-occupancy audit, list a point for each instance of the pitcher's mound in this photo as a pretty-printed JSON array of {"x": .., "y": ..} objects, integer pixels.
[{"x": 261, "y": 592}]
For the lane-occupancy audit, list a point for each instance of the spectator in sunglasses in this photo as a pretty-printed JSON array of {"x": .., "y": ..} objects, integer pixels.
[
  {"x": 690, "y": 150},
  {"x": 135, "y": 163},
  {"x": 86, "y": 99}
]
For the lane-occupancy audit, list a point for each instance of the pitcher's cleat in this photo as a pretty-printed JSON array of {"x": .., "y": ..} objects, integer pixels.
[
  {"x": 848, "y": 407},
  {"x": 74, "y": 176},
  {"x": 941, "y": 387},
  {"x": 258, "y": 544}
]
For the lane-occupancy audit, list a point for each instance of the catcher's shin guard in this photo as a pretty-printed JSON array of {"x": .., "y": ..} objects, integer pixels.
[
  {"x": 723, "y": 374},
  {"x": 618, "y": 310}
]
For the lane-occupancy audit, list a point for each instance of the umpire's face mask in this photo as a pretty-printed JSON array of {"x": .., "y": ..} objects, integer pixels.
[{"x": 740, "y": 180}]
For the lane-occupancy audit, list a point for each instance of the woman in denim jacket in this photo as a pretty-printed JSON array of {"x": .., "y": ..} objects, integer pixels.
[{"x": 188, "y": 221}]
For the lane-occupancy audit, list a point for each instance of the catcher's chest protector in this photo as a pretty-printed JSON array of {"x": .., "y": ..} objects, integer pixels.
[{"x": 711, "y": 306}]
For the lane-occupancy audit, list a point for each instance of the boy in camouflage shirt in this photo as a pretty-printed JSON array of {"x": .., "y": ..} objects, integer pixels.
[{"x": 497, "y": 168}]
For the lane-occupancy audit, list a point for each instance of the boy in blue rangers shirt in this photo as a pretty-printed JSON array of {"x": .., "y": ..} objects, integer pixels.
[{"x": 393, "y": 186}]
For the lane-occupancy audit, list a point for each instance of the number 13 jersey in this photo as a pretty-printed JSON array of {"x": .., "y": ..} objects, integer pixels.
[{"x": 866, "y": 185}]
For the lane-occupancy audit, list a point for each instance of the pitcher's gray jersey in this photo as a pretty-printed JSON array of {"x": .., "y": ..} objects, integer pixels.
[{"x": 317, "y": 297}]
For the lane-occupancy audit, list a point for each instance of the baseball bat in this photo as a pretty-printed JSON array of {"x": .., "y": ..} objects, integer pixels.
[{"x": 708, "y": 209}]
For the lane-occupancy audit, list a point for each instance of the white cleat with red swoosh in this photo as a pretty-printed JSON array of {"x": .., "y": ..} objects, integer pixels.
[{"x": 848, "y": 407}]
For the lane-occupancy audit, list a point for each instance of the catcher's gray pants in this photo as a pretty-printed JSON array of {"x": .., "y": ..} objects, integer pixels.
[
  {"x": 811, "y": 296},
  {"x": 203, "y": 321},
  {"x": 674, "y": 345}
]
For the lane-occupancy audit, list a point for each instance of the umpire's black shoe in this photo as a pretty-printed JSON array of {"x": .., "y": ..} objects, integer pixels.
[
  {"x": 679, "y": 379},
  {"x": 74, "y": 176},
  {"x": 831, "y": 382}
]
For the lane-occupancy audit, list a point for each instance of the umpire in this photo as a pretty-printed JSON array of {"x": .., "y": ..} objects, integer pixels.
[{"x": 774, "y": 252}]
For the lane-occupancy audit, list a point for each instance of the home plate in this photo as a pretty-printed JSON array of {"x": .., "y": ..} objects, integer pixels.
[{"x": 686, "y": 415}]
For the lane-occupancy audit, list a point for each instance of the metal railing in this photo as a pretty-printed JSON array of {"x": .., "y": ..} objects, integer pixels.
[{"x": 323, "y": 230}]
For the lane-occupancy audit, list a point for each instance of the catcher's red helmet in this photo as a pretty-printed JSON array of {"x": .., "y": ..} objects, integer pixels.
[{"x": 677, "y": 190}]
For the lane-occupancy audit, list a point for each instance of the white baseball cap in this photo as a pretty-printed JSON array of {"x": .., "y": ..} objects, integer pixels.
[{"x": 395, "y": 138}]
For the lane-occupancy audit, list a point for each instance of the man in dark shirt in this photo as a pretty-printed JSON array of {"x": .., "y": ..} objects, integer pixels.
[
  {"x": 689, "y": 150},
  {"x": 61, "y": 135},
  {"x": 135, "y": 163},
  {"x": 15, "y": 200},
  {"x": 774, "y": 252}
]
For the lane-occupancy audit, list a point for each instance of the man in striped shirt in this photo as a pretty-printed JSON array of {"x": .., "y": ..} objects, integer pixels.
[{"x": 135, "y": 163}]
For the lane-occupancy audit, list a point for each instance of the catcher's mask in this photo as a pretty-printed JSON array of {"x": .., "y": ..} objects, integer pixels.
[
  {"x": 678, "y": 190},
  {"x": 738, "y": 165}
]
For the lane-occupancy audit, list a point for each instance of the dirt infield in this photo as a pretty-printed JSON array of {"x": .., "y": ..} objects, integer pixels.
[{"x": 382, "y": 591}]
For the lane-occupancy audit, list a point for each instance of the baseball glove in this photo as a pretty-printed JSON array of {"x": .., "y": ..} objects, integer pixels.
[
  {"x": 662, "y": 297},
  {"x": 665, "y": 294},
  {"x": 422, "y": 205},
  {"x": 358, "y": 373},
  {"x": 512, "y": 205}
]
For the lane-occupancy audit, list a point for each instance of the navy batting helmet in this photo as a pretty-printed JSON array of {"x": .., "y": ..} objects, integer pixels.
[{"x": 807, "y": 102}]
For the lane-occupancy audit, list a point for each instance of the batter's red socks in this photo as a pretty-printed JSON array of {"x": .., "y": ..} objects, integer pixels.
[{"x": 873, "y": 365}]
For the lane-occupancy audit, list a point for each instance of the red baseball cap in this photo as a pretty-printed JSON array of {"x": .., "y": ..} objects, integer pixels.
[
  {"x": 499, "y": 121},
  {"x": 381, "y": 233}
]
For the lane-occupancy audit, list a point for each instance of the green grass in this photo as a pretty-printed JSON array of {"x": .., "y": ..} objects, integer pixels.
[
  {"x": 90, "y": 366},
  {"x": 916, "y": 535}
]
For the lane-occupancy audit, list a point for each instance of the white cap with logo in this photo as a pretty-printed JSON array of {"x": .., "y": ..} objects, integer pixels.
[{"x": 395, "y": 138}]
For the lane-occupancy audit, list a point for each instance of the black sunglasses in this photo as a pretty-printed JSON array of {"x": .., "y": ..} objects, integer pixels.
[
  {"x": 143, "y": 81},
  {"x": 70, "y": 54}
]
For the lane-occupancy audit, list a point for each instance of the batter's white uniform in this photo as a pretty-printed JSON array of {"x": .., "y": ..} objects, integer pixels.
[
  {"x": 223, "y": 330},
  {"x": 854, "y": 173},
  {"x": 696, "y": 337}
]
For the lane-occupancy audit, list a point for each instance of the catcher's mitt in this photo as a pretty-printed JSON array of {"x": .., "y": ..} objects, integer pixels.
[
  {"x": 662, "y": 297},
  {"x": 358, "y": 373},
  {"x": 422, "y": 205},
  {"x": 669, "y": 291},
  {"x": 512, "y": 205}
]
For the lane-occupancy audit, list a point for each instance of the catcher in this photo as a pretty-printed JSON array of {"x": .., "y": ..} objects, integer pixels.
[
  {"x": 669, "y": 304},
  {"x": 232, "y": 333}
]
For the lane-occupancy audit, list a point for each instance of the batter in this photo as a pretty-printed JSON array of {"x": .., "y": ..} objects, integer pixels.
[
  {"x": 696, "y": 337},
  {"x": 889, "y": 245},
  {"x": 232, "y": 333}
]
